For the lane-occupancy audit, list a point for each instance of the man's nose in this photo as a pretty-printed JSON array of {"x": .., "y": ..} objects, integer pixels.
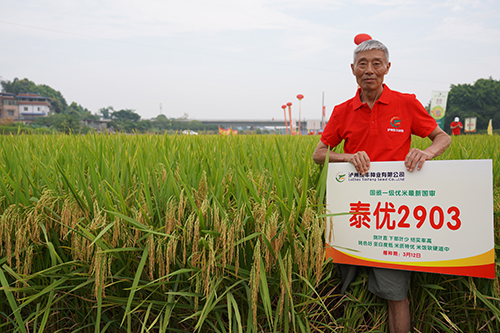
[{"x": 369, "y": 68}]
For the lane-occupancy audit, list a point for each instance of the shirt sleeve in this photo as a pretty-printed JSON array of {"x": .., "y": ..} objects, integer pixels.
[
  {"x": 423, "y": 124},
  {"x": 331, "y": 134}
]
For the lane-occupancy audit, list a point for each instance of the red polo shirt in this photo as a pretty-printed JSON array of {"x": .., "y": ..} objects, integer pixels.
[
  {"x": 456, "y": 130},
  {"x": 383, "y": 132}
]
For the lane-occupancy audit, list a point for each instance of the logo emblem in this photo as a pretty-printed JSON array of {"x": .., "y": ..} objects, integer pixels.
[
  {"x": 437, "y": 112},
  {"x": 340, "y": 177},
  {"x": 395, "y": 122}
]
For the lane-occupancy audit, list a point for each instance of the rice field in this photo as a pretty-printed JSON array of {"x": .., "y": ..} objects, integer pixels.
[{"x": 120, "y": 233}]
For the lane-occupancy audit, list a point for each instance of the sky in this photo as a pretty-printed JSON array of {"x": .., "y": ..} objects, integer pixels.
[{"x": 241, "y": 59}]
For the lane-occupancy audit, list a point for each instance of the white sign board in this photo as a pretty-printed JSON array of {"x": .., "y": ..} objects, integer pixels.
[
  {"x": 438, "y": 219},
  {"x": 470, "y": 124}
]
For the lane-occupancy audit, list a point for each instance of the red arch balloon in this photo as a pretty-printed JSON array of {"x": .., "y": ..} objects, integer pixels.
[{"x": 360, "y": 38}]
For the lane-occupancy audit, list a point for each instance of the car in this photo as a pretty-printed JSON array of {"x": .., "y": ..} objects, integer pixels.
[{"x": 189, "y": 132}]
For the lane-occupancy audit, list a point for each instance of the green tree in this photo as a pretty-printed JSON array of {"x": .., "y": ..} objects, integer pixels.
[
  {"x": 127, "y": 120},
  {"x": 106, "y": 112},
  {"x": 63, "y": 122},
  {"x": 80, "y": 110},
  {"x": 481, "y": 100},
  {"x": 162, "y": 123},
  {"x": 125, "y": 114},
  {"x": 144, "y": 126},
  {"x": 17, "y": 86},
  {"x": 71, "y": 123},
  {"x": 89, "y": 116}
]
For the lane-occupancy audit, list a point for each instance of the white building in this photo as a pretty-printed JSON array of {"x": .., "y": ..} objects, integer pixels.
[{"x": 32, "y": 105}]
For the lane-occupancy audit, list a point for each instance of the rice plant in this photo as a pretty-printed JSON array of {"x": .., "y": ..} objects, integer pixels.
[{"x": 118, "y": 233}]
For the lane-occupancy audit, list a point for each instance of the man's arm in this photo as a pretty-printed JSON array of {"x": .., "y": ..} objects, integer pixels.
[
  {"x": 360, "y": 160},
  {"x": 416, "y": 157}
]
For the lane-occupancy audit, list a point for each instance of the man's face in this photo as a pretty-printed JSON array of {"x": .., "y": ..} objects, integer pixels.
[{"x": 369, "y": 68}]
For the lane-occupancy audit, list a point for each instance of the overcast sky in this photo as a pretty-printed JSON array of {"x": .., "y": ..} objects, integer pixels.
[{"x": 241, "y": 59}]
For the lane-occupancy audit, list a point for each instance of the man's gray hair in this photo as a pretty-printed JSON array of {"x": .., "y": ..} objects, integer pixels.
[{"x": 371, "y": 44}]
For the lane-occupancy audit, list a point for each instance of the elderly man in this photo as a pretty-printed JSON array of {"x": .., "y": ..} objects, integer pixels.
[{"x": 367, "y": 123}]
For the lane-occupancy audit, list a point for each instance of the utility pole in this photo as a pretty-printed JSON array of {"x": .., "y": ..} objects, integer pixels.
[{"x": 323, "y": 111}]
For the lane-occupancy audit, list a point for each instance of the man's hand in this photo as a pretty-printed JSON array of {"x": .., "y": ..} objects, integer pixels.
[
  {"x": 416, "y": 159},
  {"x": 361, "y": 162}
]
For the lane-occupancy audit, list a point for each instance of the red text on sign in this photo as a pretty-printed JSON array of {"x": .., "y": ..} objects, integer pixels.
[{"x": 385, "y": 216}]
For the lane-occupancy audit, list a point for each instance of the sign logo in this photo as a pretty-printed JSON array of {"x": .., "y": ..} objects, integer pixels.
[
  {"x": 340, "y": 177},
  {"x": 437, "y": 112},
  {"x": 395, "y": 122}
]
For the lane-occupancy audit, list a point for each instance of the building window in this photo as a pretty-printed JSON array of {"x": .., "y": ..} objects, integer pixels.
[
  {"x": 11, "y": 113},
  {"x": 39, "y": 109},
  {"x": 25, "y": 108}
]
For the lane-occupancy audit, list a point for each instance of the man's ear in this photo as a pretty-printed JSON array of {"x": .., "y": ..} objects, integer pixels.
[{"x": 388, "y": 66}]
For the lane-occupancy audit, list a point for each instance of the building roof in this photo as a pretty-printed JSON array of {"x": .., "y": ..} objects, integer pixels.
[
  {"x": 33, "y": 103},
  {"x": 28, "y": 95},
  {"x": 7, "y": 95}
]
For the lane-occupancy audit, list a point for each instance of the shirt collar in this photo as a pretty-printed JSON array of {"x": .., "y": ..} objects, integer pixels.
[{"x": 385, "y": 98}]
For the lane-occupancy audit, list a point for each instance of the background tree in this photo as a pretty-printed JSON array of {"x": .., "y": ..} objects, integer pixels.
[
  {"x": 106, "y": 112},
  {"x": 481, "y": 100},
  {"x": 78, "y": 109},
  {"x": 125, "y": 114},
  {"x": 144, "y": 126},
  {"x": 17, "y": 86},
  {"x": 162, "y": 123},
  {"x": 63, "y": 122},
  {"x": 90, "y": 117},
  {"x": 127, "y": 120},
  {"x": 70, "y": 123}
]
